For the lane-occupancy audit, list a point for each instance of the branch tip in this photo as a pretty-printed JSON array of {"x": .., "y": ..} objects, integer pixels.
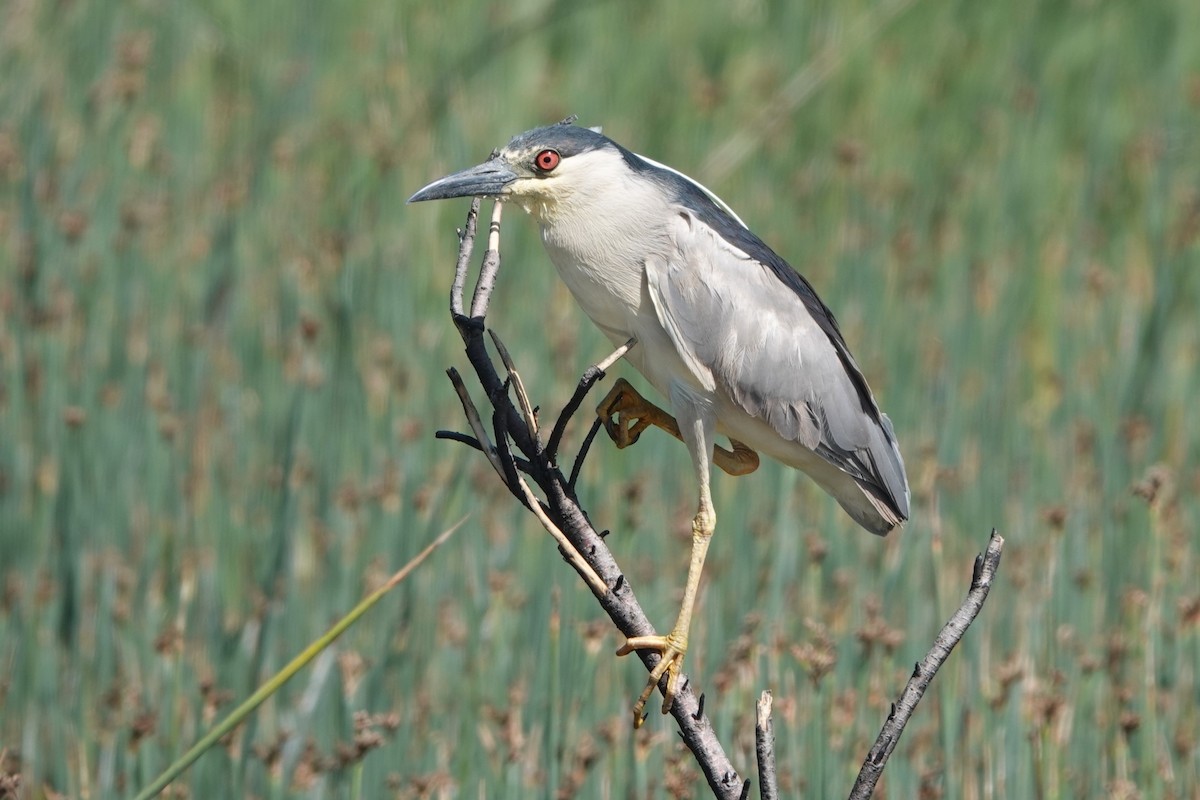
[{"x": 984, "y": 569}]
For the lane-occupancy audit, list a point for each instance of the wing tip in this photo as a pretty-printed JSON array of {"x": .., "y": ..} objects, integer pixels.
[{"x": 882, "y": 516}]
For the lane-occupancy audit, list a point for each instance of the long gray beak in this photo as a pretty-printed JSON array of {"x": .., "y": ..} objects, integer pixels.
[{"x": 489, "y": 179}]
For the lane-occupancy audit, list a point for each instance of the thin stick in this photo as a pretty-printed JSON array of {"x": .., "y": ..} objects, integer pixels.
[
  {"x": 764, "y": 748},
  {"x": 473, "y": 443},
  {"x": 590, "y": 376},
  {"x": 616, "y": 355},
  {"x": 986, "y": 564},
  {"x": 503, "y": 445},
  {"x": 490, "y": 267},
  {"x": 475, "y": 422},
  {"x": 466, "y": 243},
  {"x": 585, "y": 569},
  {"x": 583, "y": 451},
  {"x": 518, "y": 386}
]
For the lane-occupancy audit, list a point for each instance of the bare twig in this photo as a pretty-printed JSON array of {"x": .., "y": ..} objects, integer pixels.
[
  {"x": 466, "y": 243},
  {"x": 518, "y": 385},
  {"x": 583, "y": 451},
  {"x": 590, "y": 376},
  {"x": 585, "y": 569},
  {"x": 474, "y": 421},
  {"x": 504, "y": 452},
  {"x": 986, "y": 564},
  {"x": 455, "y": 436},
  {"x": 764, "y": 748},
  {"x": 616, "y": 355},
  {"x": 491, "y": 265},
  {"x": 473, "y": 443}
]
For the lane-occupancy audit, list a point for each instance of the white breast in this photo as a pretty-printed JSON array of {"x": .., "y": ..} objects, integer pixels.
[{"x": 600, "y": 234}]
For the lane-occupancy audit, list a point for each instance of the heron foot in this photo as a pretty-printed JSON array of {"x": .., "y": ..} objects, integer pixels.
[
  {"x": 625, "y": 414},
  {"x": 672, "y": 649}
]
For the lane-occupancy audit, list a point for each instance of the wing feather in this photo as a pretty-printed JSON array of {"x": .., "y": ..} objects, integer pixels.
[{"x": 754, "y": 328}]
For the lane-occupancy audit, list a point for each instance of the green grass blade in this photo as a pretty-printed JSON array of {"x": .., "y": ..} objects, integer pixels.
[{"x": 239, "y": 714}]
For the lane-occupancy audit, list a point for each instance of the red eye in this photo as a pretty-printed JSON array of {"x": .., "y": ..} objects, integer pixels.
[{"x": 546, "y": 160}]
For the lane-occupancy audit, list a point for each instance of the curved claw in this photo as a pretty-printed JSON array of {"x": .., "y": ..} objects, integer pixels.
[
  {"x": 672, "y": 649},
  {"x": 624, "y": 435},
  {"x": 625, "y": 414}
]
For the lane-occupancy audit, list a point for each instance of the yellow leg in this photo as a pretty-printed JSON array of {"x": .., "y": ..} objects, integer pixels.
[
  {"x": 673, "y": 646},
  {"x": 626, "y": 414}
]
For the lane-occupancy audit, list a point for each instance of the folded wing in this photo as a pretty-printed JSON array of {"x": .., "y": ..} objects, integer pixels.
[{"x": 746, "y": 322}]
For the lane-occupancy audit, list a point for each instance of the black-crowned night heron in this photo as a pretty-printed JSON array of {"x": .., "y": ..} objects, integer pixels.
[{"x": 737, "y": 341}]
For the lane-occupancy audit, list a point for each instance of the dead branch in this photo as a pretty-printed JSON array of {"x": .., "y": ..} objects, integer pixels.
[
  {"x": 764, "y": 748},
  {"x": 986, "y": 564}
]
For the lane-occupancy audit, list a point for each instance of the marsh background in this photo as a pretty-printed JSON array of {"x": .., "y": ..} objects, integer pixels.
[{"x": 222, "y": 344}]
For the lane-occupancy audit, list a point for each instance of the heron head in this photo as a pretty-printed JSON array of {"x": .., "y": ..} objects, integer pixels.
[{"x": 538, "y": 169}]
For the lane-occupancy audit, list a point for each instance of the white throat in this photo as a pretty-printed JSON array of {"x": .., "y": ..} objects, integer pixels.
[{"x": 593, "y": 215}]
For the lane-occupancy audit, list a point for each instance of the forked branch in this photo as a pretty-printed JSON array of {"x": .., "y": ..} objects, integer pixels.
[{"x": 986, "y": 564}]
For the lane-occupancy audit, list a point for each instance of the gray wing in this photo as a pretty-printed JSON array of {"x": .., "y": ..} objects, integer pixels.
[{"x": 744, "y": 321}]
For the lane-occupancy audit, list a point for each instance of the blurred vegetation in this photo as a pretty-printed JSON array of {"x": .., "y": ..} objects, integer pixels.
[{"x": 222, "y": 343}]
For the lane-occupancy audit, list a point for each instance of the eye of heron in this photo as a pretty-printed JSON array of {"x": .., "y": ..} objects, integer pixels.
[{"x": 546, "y": 160}]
